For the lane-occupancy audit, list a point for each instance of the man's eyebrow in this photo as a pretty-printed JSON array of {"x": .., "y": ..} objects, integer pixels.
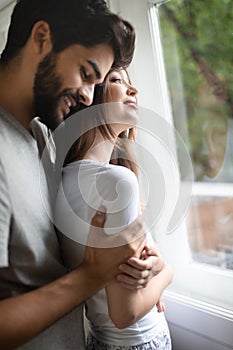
[{"x": 95, "y": 68}]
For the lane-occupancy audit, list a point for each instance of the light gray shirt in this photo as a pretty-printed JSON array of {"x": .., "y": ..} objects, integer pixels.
[{"x": 29, "y": 249}]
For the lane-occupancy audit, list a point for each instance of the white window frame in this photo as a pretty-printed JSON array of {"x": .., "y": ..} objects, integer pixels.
[{"x": 219, "y": 290}]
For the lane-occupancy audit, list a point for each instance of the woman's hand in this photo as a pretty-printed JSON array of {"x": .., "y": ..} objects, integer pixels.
[
  {"x": 137, "y": 273},
  {"x": 161, "y": 305}
]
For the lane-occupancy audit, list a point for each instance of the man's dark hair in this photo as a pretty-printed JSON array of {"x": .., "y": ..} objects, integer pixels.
[{"x": 84, "y": 22}]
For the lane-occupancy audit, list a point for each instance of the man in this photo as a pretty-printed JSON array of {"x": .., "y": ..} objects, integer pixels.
[{"x": 56, "y": 52}]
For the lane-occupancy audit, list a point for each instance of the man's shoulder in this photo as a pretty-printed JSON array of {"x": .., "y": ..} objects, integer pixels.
[
  {"x": 4, "y": 120},
  {"x": 11, "y": 126},
  {"x": 7, "y": 129}
]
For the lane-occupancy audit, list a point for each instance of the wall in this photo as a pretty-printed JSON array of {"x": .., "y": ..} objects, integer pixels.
[
  {"x": 196, "y": 325},
  {"x": 5, "y": 12}
]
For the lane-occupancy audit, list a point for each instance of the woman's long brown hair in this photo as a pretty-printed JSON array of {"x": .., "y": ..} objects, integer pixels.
[{"x": 122, "y": 152}]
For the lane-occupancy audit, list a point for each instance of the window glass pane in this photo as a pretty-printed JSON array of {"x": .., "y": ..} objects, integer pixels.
[
  {"x": 210, "y": 223},
  {"x": 197, "y": 45},
  {"x": 197, "y": 35}
]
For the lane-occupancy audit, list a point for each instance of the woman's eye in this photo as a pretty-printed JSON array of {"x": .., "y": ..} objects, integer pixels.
[{"x": 117, "y": 80}]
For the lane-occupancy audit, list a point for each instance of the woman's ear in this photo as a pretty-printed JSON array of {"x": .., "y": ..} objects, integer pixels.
[{"x": 41, "y": 38}]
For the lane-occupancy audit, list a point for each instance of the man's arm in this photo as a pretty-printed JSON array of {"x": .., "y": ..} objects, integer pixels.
[{"x": 25, "y": 316}]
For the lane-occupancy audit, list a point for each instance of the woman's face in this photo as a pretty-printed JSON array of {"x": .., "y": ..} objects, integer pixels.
[{"x": 123, "y": 113}]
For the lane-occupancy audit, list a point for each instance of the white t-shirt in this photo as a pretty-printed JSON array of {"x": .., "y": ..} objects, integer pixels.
[{"x": 86, "y": 184}]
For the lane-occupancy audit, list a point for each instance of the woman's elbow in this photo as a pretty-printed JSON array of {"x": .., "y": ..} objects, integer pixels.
[{"x": 123, "y": 321}]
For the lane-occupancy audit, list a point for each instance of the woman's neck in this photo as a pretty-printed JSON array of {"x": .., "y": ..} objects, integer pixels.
[{"x": 101, "y": 149}]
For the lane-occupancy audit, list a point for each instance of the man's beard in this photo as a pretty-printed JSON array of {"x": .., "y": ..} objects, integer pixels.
[{"x": 47, "y": 98}]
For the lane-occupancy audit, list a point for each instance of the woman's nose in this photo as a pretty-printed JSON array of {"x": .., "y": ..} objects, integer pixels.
[
  {"x": 86, "y": 93},
  {"x": 132, "y": 90}
]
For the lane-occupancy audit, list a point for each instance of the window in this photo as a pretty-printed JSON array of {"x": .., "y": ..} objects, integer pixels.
[
  {"x": 196, "y": 43},
  {"x": 197, "y": 46},
  {"x": 196, "y": 38}
]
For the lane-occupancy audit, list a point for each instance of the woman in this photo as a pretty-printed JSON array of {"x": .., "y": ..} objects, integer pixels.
[{"x": 101, "y": 170}]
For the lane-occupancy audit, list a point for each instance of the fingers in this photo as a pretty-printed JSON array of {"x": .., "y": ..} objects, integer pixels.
[
  {"x": 161, "y": 305},
  {"x": 153, "y": 263},
  {"x": 96, "y": 237},
  {"x": 137, "y": 273},
  {"x": 152, "y": 249},
  {"x": 132, "y": 278},
  {"x": 148, "y": 251},
  {"x": 99, "y": 218},
  {"x": 134, "y": 273},
  {"x": 130, "y": 282},
  {"x": 142, "y": 264}
]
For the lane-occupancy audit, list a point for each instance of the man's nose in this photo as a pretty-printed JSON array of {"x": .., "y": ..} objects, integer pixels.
[{"x": 86, "y": 94}]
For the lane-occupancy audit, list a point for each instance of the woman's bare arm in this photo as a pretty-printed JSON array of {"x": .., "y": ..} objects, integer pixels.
[{"x": 127, "y": 306}]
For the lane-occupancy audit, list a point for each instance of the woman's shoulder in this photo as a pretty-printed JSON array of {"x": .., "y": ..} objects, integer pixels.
[
  {"x": 118, "y": 172},
  {"x": 118, "y": 181},
  {"x": 105, "y": 178}
]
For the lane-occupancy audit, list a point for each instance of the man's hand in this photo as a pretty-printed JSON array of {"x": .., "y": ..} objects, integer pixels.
[
  {"x": 137, "y": 273},
  {"x": 105, "y": 253}
]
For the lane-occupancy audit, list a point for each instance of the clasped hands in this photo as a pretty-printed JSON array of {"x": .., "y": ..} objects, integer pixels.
[{"x": 127, "y": 257}]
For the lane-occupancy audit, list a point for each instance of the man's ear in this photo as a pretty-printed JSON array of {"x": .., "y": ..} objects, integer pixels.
[{"x": 41, "y": 37}]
